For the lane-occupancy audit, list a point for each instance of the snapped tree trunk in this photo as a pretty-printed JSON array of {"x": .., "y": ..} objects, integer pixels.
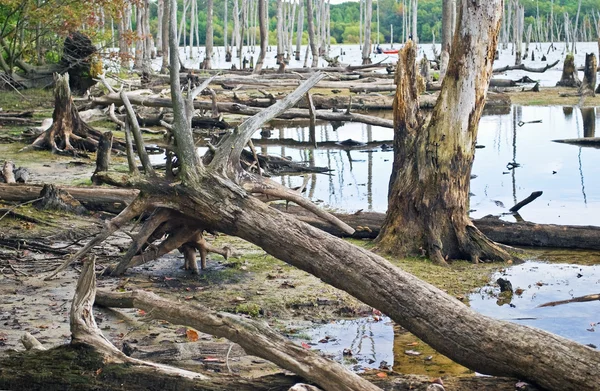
[
  {"x": 569, "y": 76},
  {"x": 428, "y": 195},
  {"x": 588, "y": 86}
]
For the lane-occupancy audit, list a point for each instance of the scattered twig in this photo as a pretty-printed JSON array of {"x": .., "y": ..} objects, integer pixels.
[{"x": 580, "y": 299}]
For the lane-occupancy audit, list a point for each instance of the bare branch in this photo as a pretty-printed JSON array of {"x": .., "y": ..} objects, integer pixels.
[
  {"x": 230, "y": 149},
  {"x": 274, "y": 189},
  {"x": 137, "y": 135}
]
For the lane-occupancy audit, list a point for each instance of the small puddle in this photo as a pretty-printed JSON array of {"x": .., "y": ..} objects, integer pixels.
[{"x": 542, "y": 283}]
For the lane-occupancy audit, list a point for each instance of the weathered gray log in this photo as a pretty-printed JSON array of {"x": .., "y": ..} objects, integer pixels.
[
  {"x": 322, "y": 144},
  {"x": 427, "y": 101},
  {"x": 526, "y": 201},
  {"x": 255, "y": 337},
  {"x": 523, "y": 67},
  {"x": 186, "y": 351},
  {"x": 91, "y": 197}
]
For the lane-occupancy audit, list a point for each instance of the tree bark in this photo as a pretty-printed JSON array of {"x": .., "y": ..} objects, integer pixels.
[
  {"x": 569, "y": 76},
  {"x": 428, "y": 195},
  {"x": 588, "y": 86}
]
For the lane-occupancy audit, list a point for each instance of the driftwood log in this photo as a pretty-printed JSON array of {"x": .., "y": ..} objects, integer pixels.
[{"x": 523, "y": 67}]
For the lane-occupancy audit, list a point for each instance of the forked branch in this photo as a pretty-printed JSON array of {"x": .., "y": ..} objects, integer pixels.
[{"x": 230, "y": 149}]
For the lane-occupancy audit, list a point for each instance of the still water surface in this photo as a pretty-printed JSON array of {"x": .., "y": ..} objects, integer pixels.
[{"x": 567, "y": 174}]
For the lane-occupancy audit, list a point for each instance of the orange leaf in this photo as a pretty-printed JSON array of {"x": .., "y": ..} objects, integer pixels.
[
  {"x": 305, "y": 345},
  {"x": 141, "y": 312},
  {"x": 382, "y": 374},
  {"x": 191, "y": 335}
]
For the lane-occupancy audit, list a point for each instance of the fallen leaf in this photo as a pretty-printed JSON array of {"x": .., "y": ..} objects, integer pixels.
[
  {"x": 412, "y": 344},
  {"x": 191, "y": 335},
  {"x": 141, "y": 312},
  {"x": 99, "y": 371},
  {"x": 412, "y": 353},
  {"x": 382, "y": 374},
  {"x": 188, "y": 297},
  {"x": 305, "y": 345}
]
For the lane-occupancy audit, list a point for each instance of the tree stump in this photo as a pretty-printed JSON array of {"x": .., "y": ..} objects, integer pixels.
[
  {"x": 588, "y": 86},
  {"x": 69, "y": 134},
  {"x": 569, "y": 76}
]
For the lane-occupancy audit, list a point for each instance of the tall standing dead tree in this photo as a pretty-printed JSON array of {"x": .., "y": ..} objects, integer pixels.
[{"x": 428, "y": 195}]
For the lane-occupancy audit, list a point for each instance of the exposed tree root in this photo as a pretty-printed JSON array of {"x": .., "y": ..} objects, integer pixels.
[{"x": 183, "y": 233}]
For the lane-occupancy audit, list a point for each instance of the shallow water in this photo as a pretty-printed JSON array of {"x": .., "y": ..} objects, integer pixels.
[
  {"x": 352, "y": 55},
  {"x": 565, "y": 173},
  {"x": 542, "y": 283},
  {"x": 373, "y": 342}
]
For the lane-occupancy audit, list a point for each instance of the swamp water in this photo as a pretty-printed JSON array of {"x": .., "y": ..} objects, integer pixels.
[{"x": 565, "y": 173}]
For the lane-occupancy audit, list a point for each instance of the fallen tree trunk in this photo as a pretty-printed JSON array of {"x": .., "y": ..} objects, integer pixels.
[
  {"x": 341, "y": 102},
  {"x": 523, "y": 67},
  {"x": 367, "y": 225},
  {"x": 254, "y": 337},
  {"x": 102, "y": 198}
]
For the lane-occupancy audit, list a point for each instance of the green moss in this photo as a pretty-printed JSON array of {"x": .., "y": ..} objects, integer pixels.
[{"x": 251, "y": 309}]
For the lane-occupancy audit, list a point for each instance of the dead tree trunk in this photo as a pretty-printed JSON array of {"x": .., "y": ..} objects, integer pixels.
[
  {"x": 569, "y": 76},
  {"x": 311, "y": 33},
  {"x": 264, "y": 35},
  {"x": 366, "y": 50},
  {"x": 588, "y": 86},
  {"x": 449, "y": 8},
  {"x": 428, "y": 196},
  {"x": 209, "y": 35}
]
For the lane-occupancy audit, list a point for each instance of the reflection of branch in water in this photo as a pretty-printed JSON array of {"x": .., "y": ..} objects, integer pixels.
[
  {"x": 516, "y": 118},
  {"x": 581, "y": 175}
]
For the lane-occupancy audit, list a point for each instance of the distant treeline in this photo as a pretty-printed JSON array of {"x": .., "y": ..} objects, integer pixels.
[{"x": 345, "y": 19}]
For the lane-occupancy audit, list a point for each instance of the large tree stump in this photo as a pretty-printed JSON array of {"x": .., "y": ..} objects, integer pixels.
[
  {"x": 569, "y": 76},
  {"x": 69, "y": 134}
]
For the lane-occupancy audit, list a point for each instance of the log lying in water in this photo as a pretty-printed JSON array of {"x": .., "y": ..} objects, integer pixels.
[
  {"x": 583, "y": 141},
  {"x": 367, "y": 226}
]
